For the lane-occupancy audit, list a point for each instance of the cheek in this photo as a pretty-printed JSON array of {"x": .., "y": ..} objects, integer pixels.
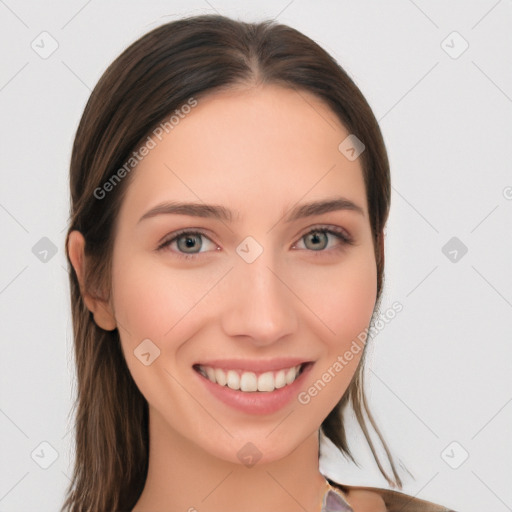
[
  {"x": 344, "y": 301},
  {"x": 147, "y": 304},
  {"x": 343, "y": 298},
  {"x": 156, "y": 304}
]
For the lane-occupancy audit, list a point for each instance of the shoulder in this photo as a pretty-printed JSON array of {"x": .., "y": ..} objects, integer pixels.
[
  {"x": 375, "y": 499},
  {"x": 364, "y": 500}
]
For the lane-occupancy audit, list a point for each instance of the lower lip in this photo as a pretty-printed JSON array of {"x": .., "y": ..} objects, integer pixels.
[{"x": 256, "y": 402}]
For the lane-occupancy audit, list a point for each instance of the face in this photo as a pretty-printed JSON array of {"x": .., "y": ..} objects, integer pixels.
[{"x": 257, "y": 291}]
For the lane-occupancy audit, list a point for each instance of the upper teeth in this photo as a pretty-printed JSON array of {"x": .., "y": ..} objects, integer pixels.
[{"x": 249, "y": 381}]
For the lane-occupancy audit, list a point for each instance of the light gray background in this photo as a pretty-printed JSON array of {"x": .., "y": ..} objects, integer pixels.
[{"x": 440, "y": 371}]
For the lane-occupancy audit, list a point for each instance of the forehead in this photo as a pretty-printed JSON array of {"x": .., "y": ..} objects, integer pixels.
[{"x": 249, "y": 149}]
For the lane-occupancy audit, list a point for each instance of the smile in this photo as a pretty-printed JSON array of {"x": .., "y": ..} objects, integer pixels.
[{"x": 250, "y": 382}]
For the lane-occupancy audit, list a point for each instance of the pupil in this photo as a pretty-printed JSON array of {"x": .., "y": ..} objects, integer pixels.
[
  {"x": 189, "y": 242},
  {"x": 315, "y": 239}
]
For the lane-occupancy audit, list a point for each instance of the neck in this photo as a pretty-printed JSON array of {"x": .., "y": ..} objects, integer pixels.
[{"x": 183, "y": 477}]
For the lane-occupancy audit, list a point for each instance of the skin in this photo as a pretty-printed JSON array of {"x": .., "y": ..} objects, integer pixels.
[{"x": 258, "y": 151}]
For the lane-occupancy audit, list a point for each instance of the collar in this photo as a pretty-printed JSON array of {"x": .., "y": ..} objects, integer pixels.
[{"x": 334, "y": 500}]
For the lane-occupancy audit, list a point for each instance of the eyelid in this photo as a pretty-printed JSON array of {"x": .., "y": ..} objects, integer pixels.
[
  {"x": 169, "y": 239},
  {"x": 328, "y": 228}
]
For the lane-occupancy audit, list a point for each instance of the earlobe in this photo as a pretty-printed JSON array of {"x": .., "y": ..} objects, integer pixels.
[
  {"x": 101, "y": 310},
  {"x": 103, "y": 316}
]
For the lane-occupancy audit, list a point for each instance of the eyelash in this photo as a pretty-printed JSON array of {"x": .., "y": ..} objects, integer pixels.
[{"x": 340, "y": 234}]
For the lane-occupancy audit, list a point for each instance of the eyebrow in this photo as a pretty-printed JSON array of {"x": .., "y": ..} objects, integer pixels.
[{"x": 221, "y": 213}]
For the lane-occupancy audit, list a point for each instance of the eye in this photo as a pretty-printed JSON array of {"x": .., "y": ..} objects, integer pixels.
[
  {"x": 317, "y": 239},
  {"x": 187, "y": 241}
]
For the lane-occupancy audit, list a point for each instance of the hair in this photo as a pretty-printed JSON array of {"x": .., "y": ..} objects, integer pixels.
[{"x": 154, "y": 76}]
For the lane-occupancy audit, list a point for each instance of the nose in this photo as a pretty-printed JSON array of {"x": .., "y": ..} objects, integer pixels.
[{"x": 259, "y": 302}]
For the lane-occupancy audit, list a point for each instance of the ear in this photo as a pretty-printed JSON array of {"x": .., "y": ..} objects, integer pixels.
[{"x": 101, "y": 310}]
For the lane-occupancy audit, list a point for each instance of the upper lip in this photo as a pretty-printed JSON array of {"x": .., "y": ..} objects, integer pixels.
[{"x": 254, "y": 365}]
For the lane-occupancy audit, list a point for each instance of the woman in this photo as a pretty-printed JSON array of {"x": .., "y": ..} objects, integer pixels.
[{"x": 230, "y": 187}]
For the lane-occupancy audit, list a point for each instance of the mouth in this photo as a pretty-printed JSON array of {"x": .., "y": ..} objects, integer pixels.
[{"x": 252, "y": 381}]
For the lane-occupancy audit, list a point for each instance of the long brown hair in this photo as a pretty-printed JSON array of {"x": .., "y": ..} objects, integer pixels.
[{"x": 153, "y": 77}]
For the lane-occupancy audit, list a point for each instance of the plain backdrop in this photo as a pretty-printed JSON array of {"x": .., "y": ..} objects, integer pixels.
[{"x": 437, "y": 75}]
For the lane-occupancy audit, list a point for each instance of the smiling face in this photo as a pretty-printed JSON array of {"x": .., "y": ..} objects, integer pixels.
[{"x": 257, "y": 288}]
